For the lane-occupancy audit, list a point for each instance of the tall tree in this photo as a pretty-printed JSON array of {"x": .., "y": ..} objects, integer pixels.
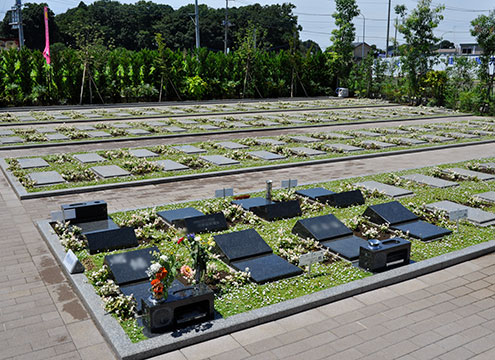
[
  {"x": 483, "y": 29},
  {"x": 417, "y": 56},
  {"x": 342, "y": 38}
]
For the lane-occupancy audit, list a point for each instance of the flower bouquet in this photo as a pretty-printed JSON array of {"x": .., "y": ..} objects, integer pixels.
[
  {"x": 198, "y": 247},
  {"x": 161, "y": 272}
]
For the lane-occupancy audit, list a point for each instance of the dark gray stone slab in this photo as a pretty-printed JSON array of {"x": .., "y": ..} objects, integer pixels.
[
  {"x": 377, "y": 144},
  {"x": 138, "y": 132},
  {"x": 486, "y": 196},
  {"x": 98, "y": 134},
  {"x": 314, "y": 193},
  {"x": 60, "y": 117},
  {"x": 150, "y": 112},
  {"x": 247, "y": 204},
  {"x": 121, "y": 126},
  {"x": 267, "y": 123},
  {"x": 269, "y": 142},
  {"x": 157, "y": 123},
  {"x": 242, "y": 244},
  {"x": 57, "y": 136},
  {"x": 487, "y": 166},
  {"x": 266, "y": 155},
  {"x": 120, "y": 114},
  {"x": 347, "y": 247},
  {"x": 476, "y": 216},
  {"x": 304, "y": 139},
  {"x": 395, "y": 131},
  {"x": 130, "y": 267},
  {"x": 174, "y": 129},
  {"x": 392, "y": 213},
  {"x": 338, "y": 136},
  {"x": 459, "y": 135},
  {"x": 429, "y": 180},
  {"x": 109, "y": 171},
  {"x": 231, "y": 145},
  {"x": 189, "y": 149},
  {"x": 85, "y": 127},
  {"x": 172, "y": 216},
  {"x": 209, "y": 127},
  {"x": 203, "y": 223},
  {"x": 277, "y": 210},
  {"x": 367, "y": 133},
  {"x": 187, "y": 122},
  {"x": 29, "y": 163},
  {"x": 296, "y": 121},
  {"x": 26, "y": 118},
  {"x": 219, "y": 160},
  {"x": 46, "y": 130},
  {"x": 343, "y": 147},
  {"x": 170, "y": 165},
  {"x": 321, "y": 228},
  {"x": 217, "y": 121},
  {"x": 267, "y": 268},
  {"x": 422, "y": 230},
  {"x": 410, "y": 141},
  {"x": 476, "y": 174},
  {"x": 89, "y": 158},
  {"x": 46, "y": 178},
  {"x": 436, "y": 138},
  {"x": 388, "y": 190},
  {"x": 11, "y": 140},
  {"x": 239, "y": 124},
  {"x": 111, "y": 239},
  {"x": 307, "y": 151},
  {"x": 142, "y": 153},
  {"x": 91, "y": 116},
  {"x": 6, "y": 132},
  {"x": 481, "y": 132}
]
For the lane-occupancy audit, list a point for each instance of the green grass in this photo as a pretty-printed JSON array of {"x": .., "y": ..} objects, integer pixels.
[{"x": 234, "y": 300}]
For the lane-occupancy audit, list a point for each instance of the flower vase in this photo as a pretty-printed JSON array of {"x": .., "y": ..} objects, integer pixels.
[{"x": 158, "y": 299}]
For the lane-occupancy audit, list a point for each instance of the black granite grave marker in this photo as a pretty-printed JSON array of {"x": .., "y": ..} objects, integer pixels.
[
  {"x": 203, "y": 223},
  {"x": 131, "y": 266},
  {"x": 98, "y": 225},
  {"x": 113, "y": 239},
  {"x": 247, "y": 204},
  {"x": 172, "y": 216},
  {"x": 321, "y": 228},
  {"x": 347, "y": 247},
  {"x": 241, "y": 244},
  {"x": 345, "y": 199},
  {"x": 315, "y": 193},
  {"x": 270, "y": 210},
  {"x": 267, "y": 268}
]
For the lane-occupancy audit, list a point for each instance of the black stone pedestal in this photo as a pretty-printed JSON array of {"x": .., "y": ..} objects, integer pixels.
[
  {"x": 182, "y": 307},
  {"x": 386, "y": 254}
]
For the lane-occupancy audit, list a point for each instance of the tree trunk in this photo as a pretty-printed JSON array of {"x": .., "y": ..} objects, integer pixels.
[
  {"x": 82, "y": 85},
  {"x": 161, "y": 90}
]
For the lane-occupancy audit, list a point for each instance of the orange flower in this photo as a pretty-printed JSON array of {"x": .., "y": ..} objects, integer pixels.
[
  {"x": 157, "y": 286},
  {"x": 162, "y": 274}
]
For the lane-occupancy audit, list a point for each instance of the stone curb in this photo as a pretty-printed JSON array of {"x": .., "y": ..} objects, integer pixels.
[
  {"x": 124, "y": 349},
  {"x": 154, "y": 117},
  {"x": 23, "y": 194},
  {"x": 240, "y": 131}
]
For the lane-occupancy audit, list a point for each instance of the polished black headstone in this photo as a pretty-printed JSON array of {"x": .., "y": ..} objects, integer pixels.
[
  {"x": 422, "y": 230},
  {"x": 113, "y": 239},
  {"x": 347, "y": 247},
  {"x": 204, "y": 223},
  {"x": 95, "y": 226},
  {"x": 142, "y": 290},
  {"x": 241, "y": 244},
  {"x": 247, "y": 204},
  {"x": 267, "y": 268},
  {"x": 171, "y": 216},
  {"x": 130, "y": 266},
  {"x": 345, "y": 199},
  {"x": 85, "y": 211},
  {"x": 314, "y": 193},
  {"x": 392, "y": 212},
  {"x": 278, "y": 210},
  {"x": 321, "y": 228}
]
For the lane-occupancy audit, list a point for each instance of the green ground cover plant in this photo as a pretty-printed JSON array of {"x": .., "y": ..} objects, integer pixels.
[{"x": 234, "y": 293}]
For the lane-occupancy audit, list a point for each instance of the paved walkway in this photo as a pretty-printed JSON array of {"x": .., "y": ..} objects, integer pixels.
[{"x": 449, "y": 313}]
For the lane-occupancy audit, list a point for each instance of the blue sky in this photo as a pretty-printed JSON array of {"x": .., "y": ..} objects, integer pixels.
[{"x": 315, "y": 16}]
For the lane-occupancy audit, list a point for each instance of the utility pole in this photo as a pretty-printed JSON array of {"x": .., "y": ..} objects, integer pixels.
[
  {"x": 196, "y": 22},
  {"x": 395, "y": 39},
  {"x": 226, "y": 26},
  {"x": 16, "y": 21},
  {"x": 364, "y": 35},
  {"x": 388, "y": 26}
]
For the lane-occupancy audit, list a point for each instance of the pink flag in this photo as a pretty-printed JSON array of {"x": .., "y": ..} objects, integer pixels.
[{"x": 46, "y": 52}]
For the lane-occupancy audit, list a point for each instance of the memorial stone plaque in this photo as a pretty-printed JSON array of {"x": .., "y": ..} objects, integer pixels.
[
  {"x": 315, "y": 193},
  {"x": 6, "y": 132},
  {"x": 138, "y": 132},
  {"x": 269, "y": 142},
  {"x": 267, "y": 268},
  {"x": 219, "y": 160},
  {"x": 241, "y": 244},
  {"x": 339, "y": 136},
  {"x": 410, "y": 141},
  {"x": 204, "y": 223},
  {"x": 121, "y": 126},
  {"x": 130, "y": 266},
  {"x": 475, "y": 174},
  {"x": 486, "y": 196},
  {"x": 53, "y": 137},
  {"x": 392, "y": 213},
  {"x": 231, "y": 145},
  {"x": 266, "y": 155},
  {"x": 278, "y": 210},
  {"x": 171, "y": 216},
  {"x": 304, "y": 139},
  {"x": 109, "y": 171},
  {"x": 29, "y": 163},
  {"x": 46, "y": 178},
  {"x": 476, "y": 216},
  {"x": 321, "y": 228},
  {"x": 377, "y": 144},
  {"x": 388, "y": 190},
  {"x": 142, "y": 153},
  {"x": 170, "y": 165},
  {"x": 429, "y": 180},
  {"x": 11, "y": 140},
  {"x": 346, "y": 247},
  {"x": 174, "y": 129},
  {"x": 367, "y": 133},
  {"x": 189, "y": 149},
  {"x": 209, "y": 127},
  {"x": 98, "y": 134},
  {"x": 113, "y": 239},
  {"x": 72, "y": 263},
  {"x": 343, "y": 147},
  {"x": 85, "y": 127},
  {"x": 307, "y": 151},
  {"x": 89, "y": 158}
]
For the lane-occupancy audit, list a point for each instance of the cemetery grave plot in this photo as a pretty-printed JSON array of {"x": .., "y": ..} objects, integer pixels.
[
  {"x": 166, "y": 161},
  {"x": 277, "y": 239}
]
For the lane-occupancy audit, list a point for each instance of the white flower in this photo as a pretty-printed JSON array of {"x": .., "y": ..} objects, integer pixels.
[
  {"x": 246, "y": 270},
  {"x": 197, "y": 238},
  {"x": 164, "y": 258},
  {"x": 155, "y": 267}
]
